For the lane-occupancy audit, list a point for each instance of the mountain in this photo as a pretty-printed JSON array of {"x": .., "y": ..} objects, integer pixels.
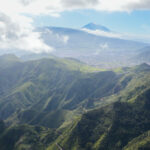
[
  {"x": 56, "y": 87},
  {"x": 110, "y": 127},
  {"x": 140, "y": 142},
  {"x": 62, "y": 103},
  {"x": 122, "y": 125},
  {"x": 143, "y": 55},
  {"x": 92, "y": 26},
  {"x": 25, "y": 137},
  {"x": 8, "y": 60},
  {"x": 33, "y": 56},
  {"x": 106, "y": 51},
  {"x": 103, "y": 51}
]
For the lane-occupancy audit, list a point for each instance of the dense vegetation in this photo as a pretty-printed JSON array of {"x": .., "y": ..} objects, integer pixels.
[
  {"x": 110, "y": 127},
  {"x": 51, "y": 103}
]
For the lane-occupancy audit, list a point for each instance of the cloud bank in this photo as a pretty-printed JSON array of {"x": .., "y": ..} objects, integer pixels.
[
  {"x": 126, "y": 36},
  {"x": 50, "y": 6},
  {"x": 18, "y": 33},
  {"x": 103, "y": 33}
]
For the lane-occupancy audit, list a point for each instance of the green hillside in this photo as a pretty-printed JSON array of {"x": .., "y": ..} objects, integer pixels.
[
  {"x": 51, "y": 103},
  {"x": 25, "y": 137},
  {"x": 47, "y": 87},
  {"x": 111, "y": 127},
  {"x": 141, "y": 142}
]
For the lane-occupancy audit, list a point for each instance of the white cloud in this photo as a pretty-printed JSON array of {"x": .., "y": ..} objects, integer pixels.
[
  {"x": 17, "y": 33},
  {"x": 103, "y": 33},
  {"x": 77, "y": 4},
  {"x": 104, "y": 46},
  {"x": 139, "y": 5},
  {"x": 101, "y": 48},
  {"x": 62, "y": 38},
  {"x": 65, "y": 39},
  {"x": 127, "y": 36},
  {"x": 136, "y": 37},
  {"x": 54, "y": 7},
  {"x": 16, "y": 30}
]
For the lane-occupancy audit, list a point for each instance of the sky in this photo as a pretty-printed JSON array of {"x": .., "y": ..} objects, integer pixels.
[
  {"x": 19, "y": 19},
  {"x": 136, "y": 22}
]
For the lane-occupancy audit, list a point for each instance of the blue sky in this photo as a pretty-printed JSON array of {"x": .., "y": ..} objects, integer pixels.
[{"x": 136, "y": 22}]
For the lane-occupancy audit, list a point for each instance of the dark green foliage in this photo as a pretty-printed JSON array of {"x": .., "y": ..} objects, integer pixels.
[
  {"x": 141, "y": 142},
  {"x": 117, "y": 123},
  {"x": 2, "y": 127},
  {"x": 42, "y": 88},
  {"x": 25, "y": 137}
]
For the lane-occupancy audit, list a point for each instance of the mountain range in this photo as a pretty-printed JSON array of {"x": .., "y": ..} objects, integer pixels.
[
  {"x": 103, "y": 50},
  {"x": 93, "y": 44},
  {"x": 62, "y": 103}
]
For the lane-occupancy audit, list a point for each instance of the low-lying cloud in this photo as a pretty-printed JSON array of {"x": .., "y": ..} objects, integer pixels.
[
  {"x": 61, "y": 38},
  {"x": 102, "y": 47},
  {"x": 127, "y": 36},
  {"x": 103, "y": 33}
]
